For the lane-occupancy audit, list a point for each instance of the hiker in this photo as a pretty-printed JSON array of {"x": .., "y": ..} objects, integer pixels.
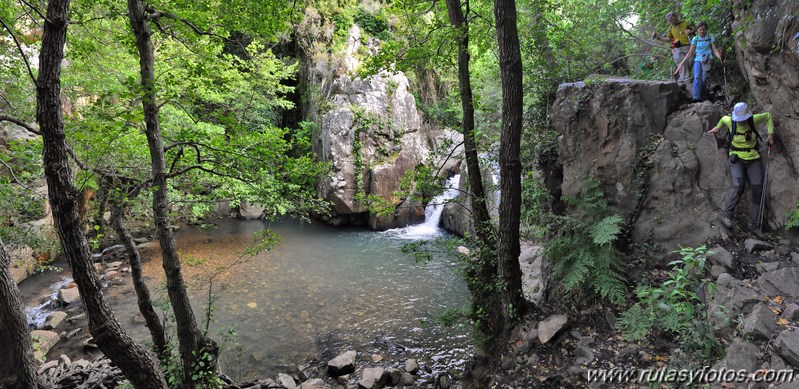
[
  {"x": 704, "y": 45},
  {"x": 677, "y": 35},
  {"x": 744, "y": 160}
]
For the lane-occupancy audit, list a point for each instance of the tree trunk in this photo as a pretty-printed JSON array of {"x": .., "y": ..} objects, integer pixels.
[
  {"x": 481, "y": 277},
  {"x": 193, "y": 343},
  {"x": 136, "y": 362},
  {"x": 510, "y": 167},
  {"x": 144, "y": 301},
  {"x": 17, "y": 364}
]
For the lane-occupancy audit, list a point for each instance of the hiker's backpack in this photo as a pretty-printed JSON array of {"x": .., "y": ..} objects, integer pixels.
[{"x": 751, "y": 122}]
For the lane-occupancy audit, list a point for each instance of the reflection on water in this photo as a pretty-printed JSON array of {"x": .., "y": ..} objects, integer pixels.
[{"x": 321, "y": 292}]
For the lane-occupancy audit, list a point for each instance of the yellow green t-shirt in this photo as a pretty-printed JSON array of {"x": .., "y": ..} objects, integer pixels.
[
  {"x": 739, "y": 139},
  {"x": 677, "y": 33}
]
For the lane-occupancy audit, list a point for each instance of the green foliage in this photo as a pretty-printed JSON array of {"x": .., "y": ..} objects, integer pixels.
[
  {"x": 374, "y": 24},
  {"x": 202, "y": 373},
  {"x": 792, "y": 217},
  {"x": 676, "y": 307},
  {"x": 582, "y": 250}
]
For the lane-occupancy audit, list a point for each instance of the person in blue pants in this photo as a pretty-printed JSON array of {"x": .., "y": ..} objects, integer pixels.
[{"x": 704, "y": 45}]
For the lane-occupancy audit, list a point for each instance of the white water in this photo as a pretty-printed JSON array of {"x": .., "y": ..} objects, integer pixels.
[
  {"x": 38, "y": 315},
  {"x": 432, "y": 216}
]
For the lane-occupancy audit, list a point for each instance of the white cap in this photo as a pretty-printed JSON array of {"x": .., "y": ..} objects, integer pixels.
[{"x": 740, "y": 112}]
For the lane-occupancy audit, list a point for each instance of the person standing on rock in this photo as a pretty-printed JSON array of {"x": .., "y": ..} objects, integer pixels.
[
  {"x": 677, "y": 35},
  {"x": 744, "y": 160},
  {"x": 704, "y": 45}
]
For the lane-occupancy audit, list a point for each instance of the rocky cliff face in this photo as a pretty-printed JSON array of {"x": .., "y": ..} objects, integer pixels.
[
  {"x": 767, "y": 47},
  {"x": 655, "y": 162},
  {"x": 371, "y": 134}
]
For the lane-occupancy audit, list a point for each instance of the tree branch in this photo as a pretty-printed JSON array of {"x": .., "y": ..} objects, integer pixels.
[
  {"x": 155, "y": 15},
  {"x": 14, "y": 178},
  {"x": 30, "y": 127},
  {"x": 41, "y": 15},
  {"x": 22, "y": 53}
]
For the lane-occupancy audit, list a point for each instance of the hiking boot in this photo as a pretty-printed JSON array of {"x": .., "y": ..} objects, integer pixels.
[{"x": 726, "y": 222}]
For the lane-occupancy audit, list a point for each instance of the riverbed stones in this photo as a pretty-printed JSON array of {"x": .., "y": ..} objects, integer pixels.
[
  {"x": 550, "y": 327},
  {"x": 411, "y": 366},
  {"x": 316, "y": 383},
  {"x": 373, "y": 377},
  {"x": 342, "y": 364},
  {"x": 54, "y": 320},
  {"x": 43, "y": 341},
  {"x": 68, "y": 296},
  {"x": 407, "y": 379},
  {"x": 286, "y": 380},
  {"x": 394, "y": 376},
  {"x": 787, "y": 345}
]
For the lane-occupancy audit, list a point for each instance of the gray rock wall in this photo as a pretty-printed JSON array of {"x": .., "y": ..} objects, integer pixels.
[
  {"x": 767, "y": 47},
  {"x": 371, "y": 134},
  {"x": 656, "y": 163}
]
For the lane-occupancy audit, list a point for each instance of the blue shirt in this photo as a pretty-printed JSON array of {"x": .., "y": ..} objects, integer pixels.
[{"x": 703, "y": 48}]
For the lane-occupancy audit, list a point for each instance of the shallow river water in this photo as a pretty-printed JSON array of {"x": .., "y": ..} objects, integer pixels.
[{"x": 322, "y": 291}]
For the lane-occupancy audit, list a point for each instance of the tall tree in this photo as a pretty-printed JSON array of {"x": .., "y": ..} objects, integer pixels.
[
  {"x": 510, "y": 166},
  {"x": 17, "y": 365},
  {"x": 485, "y": 272},
  {"x": 118, "y": 201},
  {"x": 193, "y": 343},
  {"x": 135, "y": 361}
]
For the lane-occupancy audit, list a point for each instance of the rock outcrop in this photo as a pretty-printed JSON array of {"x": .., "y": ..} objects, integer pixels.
[
  {"x": 654, "y": 160},
  {"x": 371, "y": 134},
  {"x": 767, "y": 48}
]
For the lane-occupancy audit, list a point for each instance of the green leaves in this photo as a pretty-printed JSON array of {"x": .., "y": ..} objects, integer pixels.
[
  {"x": 674, "y": 306},
  {"x": 607, "y": 230}
]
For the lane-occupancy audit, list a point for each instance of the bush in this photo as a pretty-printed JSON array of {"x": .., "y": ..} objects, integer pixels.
[
  {"x": 582, "y": 251},
  {"x": 676, "y": 307}
]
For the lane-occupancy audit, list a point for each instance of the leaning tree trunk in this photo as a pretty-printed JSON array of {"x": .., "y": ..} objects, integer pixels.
[
  {"x": 138, "y": 365},
  {"x": 193, "y": 343},
  {"x": 17, "y": 365},
  {"x": 144, "y": 301},
  {"x": 510, "y": 167},
  {"x": 484, "y": 274}
]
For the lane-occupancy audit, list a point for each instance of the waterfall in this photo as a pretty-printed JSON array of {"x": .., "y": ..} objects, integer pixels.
[{"x": 432, "y": 215}]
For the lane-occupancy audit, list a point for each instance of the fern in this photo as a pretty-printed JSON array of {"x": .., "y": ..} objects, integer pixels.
[
  {"x": 792, "y": 217},
  {"x": 607, "y": 230},
  {"x": 582, "y": 251}
]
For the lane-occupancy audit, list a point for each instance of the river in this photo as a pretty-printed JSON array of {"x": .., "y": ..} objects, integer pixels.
[{"x": 320, "y": 292}]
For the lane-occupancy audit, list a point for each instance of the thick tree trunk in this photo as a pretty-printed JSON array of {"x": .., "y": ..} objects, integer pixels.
[
  {"x": 483, "y": 275},
  {"x": 193, "y": 343},
  {"x": 17, "y": 365},
  {"x": 144, "y": 301},
  {"x": 138, "y": 365},
  {"x": 510, "y": 167}
]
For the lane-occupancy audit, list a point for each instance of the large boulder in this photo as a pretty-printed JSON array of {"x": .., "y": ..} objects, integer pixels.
[
  {"x": 654, "y": 160},
  {"x": 767, "y": 47},
  {"x": 603, "y": 125},
  {"x": 687, "y": 182}
]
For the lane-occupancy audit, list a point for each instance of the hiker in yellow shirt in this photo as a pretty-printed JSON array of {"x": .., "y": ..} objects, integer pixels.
[
  {"x": 677, "y": 35},
  {"x": 744, "y": 160}
]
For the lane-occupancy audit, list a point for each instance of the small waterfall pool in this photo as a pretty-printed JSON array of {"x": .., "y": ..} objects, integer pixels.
[
  {"x": 321, "y": 292},
  {"x": 430, "y": 228}
]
